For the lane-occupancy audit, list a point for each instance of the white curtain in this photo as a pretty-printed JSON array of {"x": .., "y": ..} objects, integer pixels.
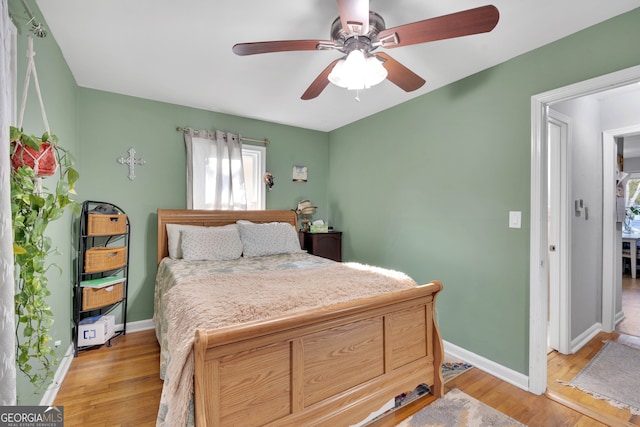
[
  {"x": 215, "y": 173},
  {"x": 7, "y": 313}
]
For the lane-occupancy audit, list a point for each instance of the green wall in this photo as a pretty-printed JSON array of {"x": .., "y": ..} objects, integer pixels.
[
  {"x": 443, "y": 172},
  {"x": 110, "y": 124}
]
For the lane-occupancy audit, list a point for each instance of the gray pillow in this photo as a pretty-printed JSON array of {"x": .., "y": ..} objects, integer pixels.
[
  {"x": 211, "y": 244},
  {"x": 268, "y": 239}
]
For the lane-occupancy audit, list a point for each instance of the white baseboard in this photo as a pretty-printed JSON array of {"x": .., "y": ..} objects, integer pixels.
[
  {"x": 619, "y": 317},
  {"x": 140, "y": 325},
  {"x": 506, "y": 374},
  {"x": 582, "y": 339},
  {"x": 52, "y": 391}
]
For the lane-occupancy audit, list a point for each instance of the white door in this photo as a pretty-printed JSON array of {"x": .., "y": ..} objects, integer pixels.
[{"x": 558, "y": 232}]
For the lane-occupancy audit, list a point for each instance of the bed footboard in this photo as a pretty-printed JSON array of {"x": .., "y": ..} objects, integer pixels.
[{"x": 329, "y": 366}]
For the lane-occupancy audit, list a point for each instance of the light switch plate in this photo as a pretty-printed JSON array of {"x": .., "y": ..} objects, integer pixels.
[{"x": 515, "y": 219}]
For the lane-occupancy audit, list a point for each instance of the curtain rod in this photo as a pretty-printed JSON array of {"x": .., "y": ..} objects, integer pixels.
[{"x": 264, "y": 141}]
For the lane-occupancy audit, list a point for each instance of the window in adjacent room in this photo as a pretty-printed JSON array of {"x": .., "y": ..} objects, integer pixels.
[
  {"x": 632, "y": 196},
  {"x": 633, "y": 190}
]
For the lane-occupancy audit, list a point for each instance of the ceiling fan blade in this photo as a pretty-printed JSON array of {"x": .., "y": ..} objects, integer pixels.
[
  {"x": 281, "y": 46},
  {"x": 400, "y": 75},
  {"x": 354, "y": 15},
  {"x": 473, "y": 21},
  {"x": 321, "y": 82}
]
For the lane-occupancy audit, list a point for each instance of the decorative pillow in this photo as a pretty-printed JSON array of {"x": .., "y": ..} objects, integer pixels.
[
  {"x": 268, "y": 239},
  {"x": 173, "y": 236},
  {"x": 212, "y": 244}
]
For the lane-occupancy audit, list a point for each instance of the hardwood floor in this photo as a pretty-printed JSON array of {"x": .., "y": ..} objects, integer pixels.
[
  {"x": 120, "y": 386},
  {"x": 529, "y": 409},
  {"x": 565, "y": 367},
  {"x": 630, "y": 306},
  {"x": 114, "y": 386}
]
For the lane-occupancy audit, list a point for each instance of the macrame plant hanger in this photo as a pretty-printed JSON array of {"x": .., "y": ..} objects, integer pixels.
[{"x": 46, "y": 149}]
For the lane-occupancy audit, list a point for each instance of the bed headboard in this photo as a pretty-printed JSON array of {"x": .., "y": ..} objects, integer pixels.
[{"x": 211, "y": 218}]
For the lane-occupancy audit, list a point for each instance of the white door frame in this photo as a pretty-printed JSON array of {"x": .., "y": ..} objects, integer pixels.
[
  {"x": 609, "y": 233},
  {"x": 538, "y": 270},
  {"x": 559, "y": 234},
  {"x": 609, "y": 239}
]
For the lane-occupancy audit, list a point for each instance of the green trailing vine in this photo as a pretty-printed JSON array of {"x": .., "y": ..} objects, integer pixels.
[{"x": 32, "y": 209}]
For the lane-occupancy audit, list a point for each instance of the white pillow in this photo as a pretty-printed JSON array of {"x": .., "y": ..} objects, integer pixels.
[
  {"x": 212, "y": 244},
  {"x": 268, "y": 239},
  {"x": 173, "y": 237}
]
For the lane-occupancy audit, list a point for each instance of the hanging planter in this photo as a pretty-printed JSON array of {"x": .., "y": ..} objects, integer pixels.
[
  {"x": 38, "y": 154},
  {"x": 33, "y": 207},
  {"x": 28, "y": 150}
]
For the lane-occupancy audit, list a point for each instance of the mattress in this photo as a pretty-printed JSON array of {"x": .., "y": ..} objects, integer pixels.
[{"x": 172, "y": 272}]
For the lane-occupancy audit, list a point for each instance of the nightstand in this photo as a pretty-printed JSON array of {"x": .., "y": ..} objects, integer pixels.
[{"x": 326, "y": 245}]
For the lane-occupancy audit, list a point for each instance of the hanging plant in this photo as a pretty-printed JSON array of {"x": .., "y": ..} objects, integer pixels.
[
  {"x": 33, "y": 207},
  {"x": 38, "y": 155}
]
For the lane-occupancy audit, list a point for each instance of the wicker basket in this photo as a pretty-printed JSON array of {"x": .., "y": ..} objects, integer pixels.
[
  {"x": 104, "y": 259},
  {"x": 96, "y": 298},
  {"x": 105, "y": 225}
]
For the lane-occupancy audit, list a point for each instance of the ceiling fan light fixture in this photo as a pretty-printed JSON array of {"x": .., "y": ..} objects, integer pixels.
[
  {"x": 358, "y": 31},
  {"x": 357, "y": 71}
]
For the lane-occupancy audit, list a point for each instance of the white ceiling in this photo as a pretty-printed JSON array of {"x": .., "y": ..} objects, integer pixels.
[
  {"x": 623, "y": 97},
  {"x": 180, "y": 51}
]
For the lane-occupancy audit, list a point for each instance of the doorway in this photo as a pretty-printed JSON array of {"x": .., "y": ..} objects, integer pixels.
[
  {"x": 627, "y": 306},
  {"x": 539, "y": 268},
  {"x": 612, "y": 280}
]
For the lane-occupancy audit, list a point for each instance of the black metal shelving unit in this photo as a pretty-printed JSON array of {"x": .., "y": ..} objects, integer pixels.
[{"x": 103, "y": 255}]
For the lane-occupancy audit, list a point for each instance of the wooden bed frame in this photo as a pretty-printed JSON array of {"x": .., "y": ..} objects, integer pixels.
[{"x": 328, "y": 366}]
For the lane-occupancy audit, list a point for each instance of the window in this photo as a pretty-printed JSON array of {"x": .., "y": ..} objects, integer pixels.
[
  {"x": 254, "y": 159},
  {"x": 223, "y": 174},
  {"x": 632, "y": 199},
  {"x": 632, "y": 192}
]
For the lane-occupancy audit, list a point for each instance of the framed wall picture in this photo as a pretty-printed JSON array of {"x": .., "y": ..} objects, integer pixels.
[{"x": 299, "y": 173}]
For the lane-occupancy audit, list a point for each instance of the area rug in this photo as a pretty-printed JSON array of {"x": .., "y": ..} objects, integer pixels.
[
  {"x": 457, "y": 409},
  {"x": 453, "y": 368},
  {"x": 613, "y": 375}
]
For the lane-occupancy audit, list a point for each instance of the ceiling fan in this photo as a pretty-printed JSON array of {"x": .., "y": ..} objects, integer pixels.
[{"x": 362, "y": 31}]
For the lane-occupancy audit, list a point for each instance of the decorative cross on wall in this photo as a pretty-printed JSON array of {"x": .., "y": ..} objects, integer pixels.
[{"x": 132, "y": 162}]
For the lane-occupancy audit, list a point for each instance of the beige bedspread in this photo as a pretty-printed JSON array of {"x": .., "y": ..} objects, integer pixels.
[
  {"x": 229, "y": 299},
  {"x": 176, "y": 272}
]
